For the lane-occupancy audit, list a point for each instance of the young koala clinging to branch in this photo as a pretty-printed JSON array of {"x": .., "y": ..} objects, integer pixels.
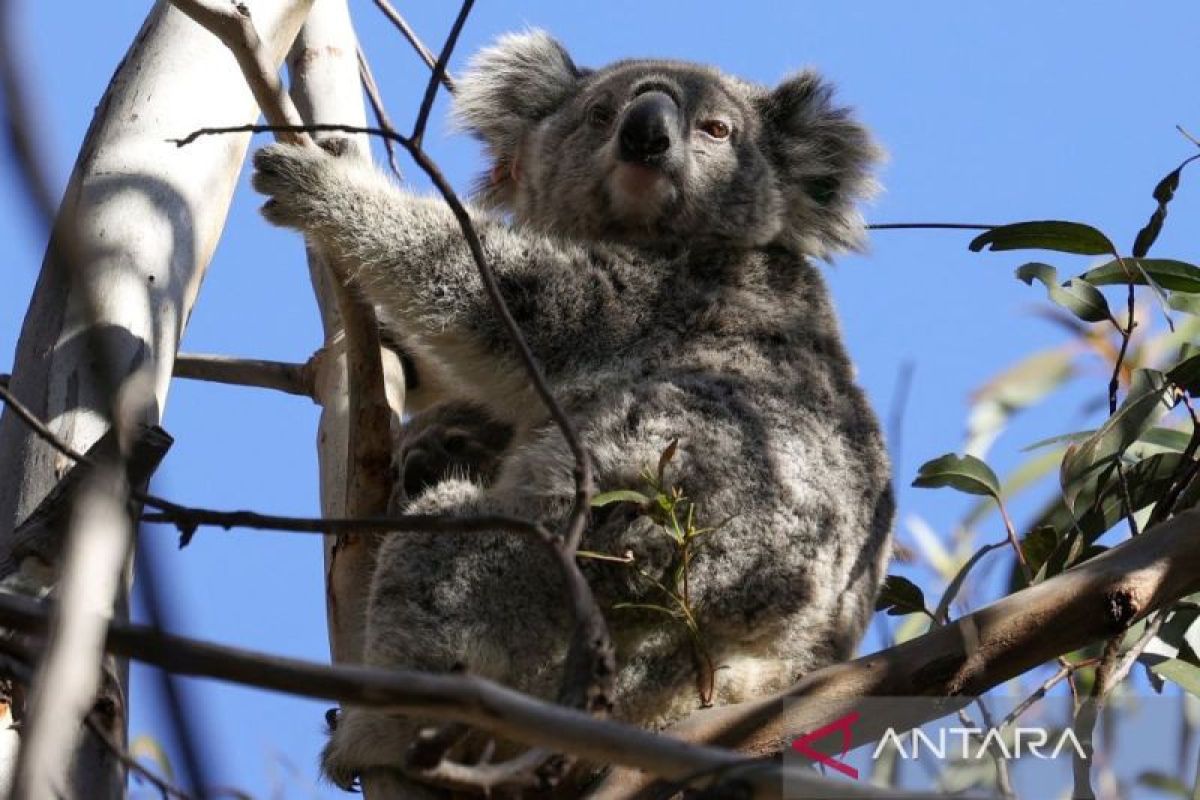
[{"x": 651, "y": 224}]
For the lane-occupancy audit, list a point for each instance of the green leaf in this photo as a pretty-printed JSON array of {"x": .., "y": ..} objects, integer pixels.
[
  {"x": 1162, "y": 782},
  {"x": 1148, "y": 481},
  {"x": 1025, "y": 476},
  {"x": 1181, "y": 673},
  {"x": 1142, "y": 407},
  {"x": 1186, "y": 375},
  {"x": 1181, "y": 633},
  {"x": 964, "y": 473},
  {"x": 1038, "y": 545},
  {"x": 1019, "y": 386},
  {"x": 1163, "y": 194},
  {"x": 1187, "y": 303},
  {"x": 1177, "y": 276},
  {"x": 900, "y": 596},
  {"x": 1063, "y": 237},
  {"x": 1076, "y": 295},
  {"x": 1168, "y": 439},
  {"x": 619, "y": 496}
]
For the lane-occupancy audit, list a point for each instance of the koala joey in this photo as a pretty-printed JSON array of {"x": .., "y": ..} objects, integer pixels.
[
  {"x": 652, "y": 226},
  {"x": 455, "y": 439}
]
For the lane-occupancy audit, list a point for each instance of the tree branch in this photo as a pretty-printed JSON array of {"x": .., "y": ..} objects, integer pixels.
[
  {"x": 462, "y": 698},
  {"x": 408, "y": 33},
  {"x": 277, "y": 375},
  {"x": 957, "y": 662}
]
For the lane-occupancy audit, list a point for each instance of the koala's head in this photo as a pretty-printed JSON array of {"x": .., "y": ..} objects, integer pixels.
[{"x": 663, "y": 152}]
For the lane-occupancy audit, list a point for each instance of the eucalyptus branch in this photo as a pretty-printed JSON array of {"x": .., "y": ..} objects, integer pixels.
[
  {"x": 439, "y": 71},
  {"x": 408, "y": 33},
  {"x": 378, "y": 109},
  {"x": 453, "y": 697},
  {"x": 280, "y": 376}
]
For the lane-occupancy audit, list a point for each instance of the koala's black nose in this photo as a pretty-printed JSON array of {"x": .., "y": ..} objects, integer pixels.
[{"x": 649, "y": 124}]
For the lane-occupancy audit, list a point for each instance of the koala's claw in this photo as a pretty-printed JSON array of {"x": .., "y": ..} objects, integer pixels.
[{"x": 293, "y": 177}]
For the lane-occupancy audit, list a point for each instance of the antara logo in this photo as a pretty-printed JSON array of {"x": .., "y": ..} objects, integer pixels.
[
  {"x": 972, "y": 743},
  {"x": 803, "y": 744},
  {"x": 978, "y": 742}
]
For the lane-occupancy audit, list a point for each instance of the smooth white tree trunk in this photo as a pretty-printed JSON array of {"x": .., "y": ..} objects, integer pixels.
[{"x": 146, "y": 216}]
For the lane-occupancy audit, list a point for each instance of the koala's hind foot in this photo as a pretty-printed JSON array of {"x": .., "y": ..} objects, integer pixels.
[
  {"x": 456, "y": 439},
  {"x": 368, "y": 745}
]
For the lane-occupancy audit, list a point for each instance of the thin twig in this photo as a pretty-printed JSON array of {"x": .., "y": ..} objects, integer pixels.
[
  {"x": 1086, "y": 715},
  {"x": 1011, "y": 532},
  {"x": 910, "y": 226},
  {"x": 377, "y": 108},
  {"x": 408, "y": 33},
  {"x": 1065, "y": 671},
  {"x": 1003, "y": 775},
  {"x": 1114, "y": 383},
  {"x": 439, "y": 70}
]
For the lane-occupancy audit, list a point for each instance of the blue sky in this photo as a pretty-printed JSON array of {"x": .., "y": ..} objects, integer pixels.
[{"x": 991, "y": 113}]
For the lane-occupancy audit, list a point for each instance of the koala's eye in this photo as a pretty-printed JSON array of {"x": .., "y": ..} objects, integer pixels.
[
  {"x": 717, "y": 129},
  {"x": 600, "y": 115}
]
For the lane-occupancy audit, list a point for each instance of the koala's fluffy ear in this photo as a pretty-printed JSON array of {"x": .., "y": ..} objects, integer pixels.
[
  {"x": 823, "y": 158},
  {"x": 508, "y": 88}
]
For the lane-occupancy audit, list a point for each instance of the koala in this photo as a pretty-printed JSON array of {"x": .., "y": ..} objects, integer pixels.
[
  {"x": 653, "y": 226},
  {"x": 452, "y": 439}
]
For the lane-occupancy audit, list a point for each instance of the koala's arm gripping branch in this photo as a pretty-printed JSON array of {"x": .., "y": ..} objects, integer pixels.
[{"x": 413, "y": 261}]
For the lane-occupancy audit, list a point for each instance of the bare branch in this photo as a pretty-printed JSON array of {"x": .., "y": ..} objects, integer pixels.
[
  {"x": 231, "y": 23},
  {"x": 408, "y": 33},
  {"x": 463, "y": 698},
  {"x": 1091, "y": 602},
  {"x": 377, "y": 108},
  {"x": 277, "y": 375},
  {"x": 439, "y": 70}
]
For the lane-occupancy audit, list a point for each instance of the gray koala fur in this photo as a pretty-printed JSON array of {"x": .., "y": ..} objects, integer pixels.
[{"x": 670, "y": 299}]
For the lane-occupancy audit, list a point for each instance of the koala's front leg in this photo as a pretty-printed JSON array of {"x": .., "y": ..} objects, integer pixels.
[{"x": 407, "y": 255}]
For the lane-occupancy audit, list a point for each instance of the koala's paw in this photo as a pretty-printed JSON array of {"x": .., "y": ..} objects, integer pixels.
[
  {"x": 360, "y": 741},
  {"x": 457, "y": 439},
  {"x": 299, "y": 180}
]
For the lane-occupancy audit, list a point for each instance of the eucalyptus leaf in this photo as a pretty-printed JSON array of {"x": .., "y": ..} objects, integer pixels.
[
  {"x": 619, "y": 496},
  {"x": 1181, "y": 632},
  {"x": 1021, "y": 385},
  {"x": 1186, "y": 375},
  {"x": 1163, "y": 193},
  {"x": 1058, "y": 235},
  {"x": 900, "y": 596},
  {"x": 1175, "y": 276},
  {"x": 1181, "y": 673},
  {"x": 1142, "y": 407},
  {"x": 1162, "y": 782},
  {"x": 1027, "y": 475},
  {"x": 964, "y": 473},
  {"x": 1164, "y": 438},
  {"x": 1038, "y": 545},
  {"x": 1187, "y": 303},
  {"x": 1076, "y": 295}
]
